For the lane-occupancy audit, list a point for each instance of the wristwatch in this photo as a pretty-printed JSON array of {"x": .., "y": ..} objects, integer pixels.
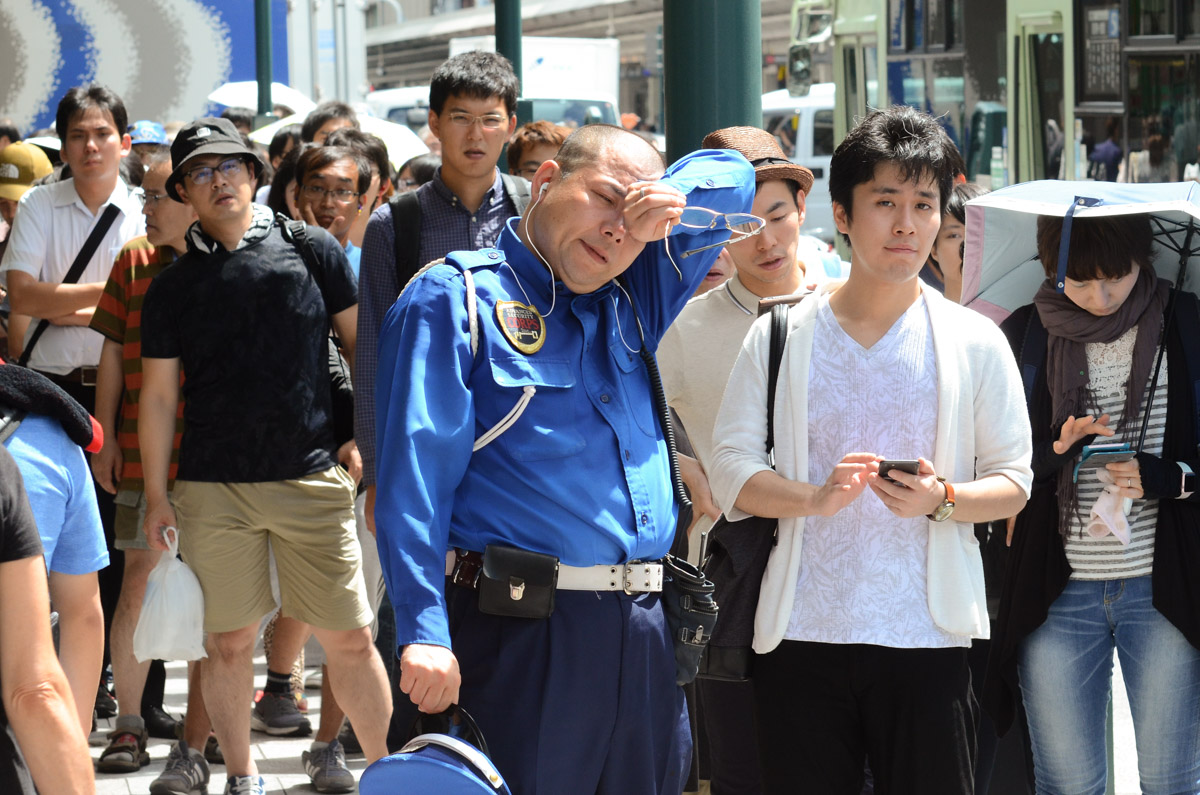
[
  {"x": 943, "y": 511},
  {"x": 1189, "y": 481}
]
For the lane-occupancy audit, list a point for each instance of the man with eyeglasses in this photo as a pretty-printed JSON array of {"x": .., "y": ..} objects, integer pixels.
[
  {"x": 247, "y": 317},
  {"x": 518, "y": 430},
  {"x": 332, "y": 182}
]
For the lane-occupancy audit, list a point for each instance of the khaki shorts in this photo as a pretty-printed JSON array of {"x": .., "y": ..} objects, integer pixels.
[
  {"x": 224, "y": 530},
  {"x": 131, "y": 513}
]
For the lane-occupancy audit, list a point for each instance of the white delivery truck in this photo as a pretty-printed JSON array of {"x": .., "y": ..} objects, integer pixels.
[
  {"x": 804, "y": 128},
  {"x": 570, "y": 81}
]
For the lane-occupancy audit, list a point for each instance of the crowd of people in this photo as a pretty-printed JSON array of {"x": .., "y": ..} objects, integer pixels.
[{"x": 420, "y": 412}]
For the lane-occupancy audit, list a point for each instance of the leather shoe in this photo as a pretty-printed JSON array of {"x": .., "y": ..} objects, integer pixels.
[{"x": 159, "y": 724}]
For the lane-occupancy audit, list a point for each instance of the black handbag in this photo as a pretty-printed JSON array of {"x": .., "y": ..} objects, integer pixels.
[{"x": 738, "y": 553}]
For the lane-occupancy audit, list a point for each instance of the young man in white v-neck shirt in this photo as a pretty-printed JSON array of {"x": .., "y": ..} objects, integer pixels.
[{"x": 862, "y": 629}]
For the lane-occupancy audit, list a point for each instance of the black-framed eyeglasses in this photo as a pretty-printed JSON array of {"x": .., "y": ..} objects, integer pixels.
[
  {"x": 316, "y": 193},
  {"x": 152, "y": 200},
  {"x": 740, "y": 225},
  {"x": 229, "y": 169}
]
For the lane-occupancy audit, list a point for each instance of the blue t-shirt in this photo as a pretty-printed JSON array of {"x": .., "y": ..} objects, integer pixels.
[
  {"x": 60, "y": 490},
  {"x": 354, "y": 254}
]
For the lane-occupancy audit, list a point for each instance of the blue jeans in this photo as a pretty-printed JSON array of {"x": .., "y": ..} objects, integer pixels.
[{"x": 1066, "y": 680}]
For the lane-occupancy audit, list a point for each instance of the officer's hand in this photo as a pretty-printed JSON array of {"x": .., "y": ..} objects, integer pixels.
[
  {"x": 649, "y": 206},
  {"x": 429, "y": 676}
]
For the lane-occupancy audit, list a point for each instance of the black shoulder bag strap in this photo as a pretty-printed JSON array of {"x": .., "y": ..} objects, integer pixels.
[
  {"x": 517, "y": 189},
  {"x": 1033, "y": 353},
  {"x": 1188, "y": 319},
  {"x": 406, "y": 233},
  {"x": 779, "y": 330},
  {"x": 76, "y": 270}
]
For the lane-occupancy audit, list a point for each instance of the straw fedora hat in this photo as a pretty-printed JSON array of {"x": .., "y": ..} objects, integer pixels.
[{"x": 762, "y": 150}]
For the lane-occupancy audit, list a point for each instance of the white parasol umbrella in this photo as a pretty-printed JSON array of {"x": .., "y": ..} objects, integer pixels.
[
  {"x": 402, "y": 143},
  {"x": 244, "y": 94},
  {"x": 1001, "y": 270}
]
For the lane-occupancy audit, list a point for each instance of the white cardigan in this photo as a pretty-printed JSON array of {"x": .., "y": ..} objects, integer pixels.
[{"x": 982, "y": 429}]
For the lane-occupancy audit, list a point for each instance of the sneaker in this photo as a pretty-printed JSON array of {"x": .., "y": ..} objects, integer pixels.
[
  {"x": 277, "y": 714},
  {"x": 245, "y": 785},
  {"x": 212, "y": 751},
  {"x": 327, "y": 768},
  {"x": 185, "y": 773},
  {"x": 126, "y": 750},
  {"x": 313, "y": 680}
]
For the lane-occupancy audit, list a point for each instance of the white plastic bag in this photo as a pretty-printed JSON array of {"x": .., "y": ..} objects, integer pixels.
[{"x": 171, "y": 626}]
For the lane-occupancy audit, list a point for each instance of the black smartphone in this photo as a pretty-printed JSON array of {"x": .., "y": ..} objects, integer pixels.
[{"x": 904, "y": 465}]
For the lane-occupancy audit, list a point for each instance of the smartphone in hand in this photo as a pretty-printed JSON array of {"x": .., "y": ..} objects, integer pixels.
[{"x": 903, "y": 464}]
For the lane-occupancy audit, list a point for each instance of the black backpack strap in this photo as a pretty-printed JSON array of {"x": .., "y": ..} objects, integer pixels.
[
  {"x": 76, "y": 270},
  {"x": 779, "y": 331},
  {"x": 406, "y": 233},
  {"x": 1033, "y": 353},
  {"x": 296, "y": 232},
  {"x": 517, "y": 189},
  {"x": 10, "y": 419}
]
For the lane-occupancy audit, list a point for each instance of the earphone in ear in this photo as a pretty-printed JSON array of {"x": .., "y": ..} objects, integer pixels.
[{"x": 543, "y": 188}]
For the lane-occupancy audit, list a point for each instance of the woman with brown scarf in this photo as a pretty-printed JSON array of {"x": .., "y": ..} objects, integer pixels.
[{"x": 1089, "y": 566}]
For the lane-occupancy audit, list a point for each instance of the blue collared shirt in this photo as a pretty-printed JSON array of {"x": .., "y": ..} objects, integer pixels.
[
  {"x": 583, "y": 473},
  {"x": 446, "y": 225}
]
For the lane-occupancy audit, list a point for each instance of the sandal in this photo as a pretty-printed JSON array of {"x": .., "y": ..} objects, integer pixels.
[{"x": 126, "y": 752}]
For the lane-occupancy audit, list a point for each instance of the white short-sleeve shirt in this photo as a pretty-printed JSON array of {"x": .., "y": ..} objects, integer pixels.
[{"x": 51, "y": 226}]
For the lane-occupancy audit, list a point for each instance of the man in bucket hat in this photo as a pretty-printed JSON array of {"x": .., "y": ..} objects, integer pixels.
[
  {"x": 245, "y": 312},
  {"x": 696, "y": 356}
]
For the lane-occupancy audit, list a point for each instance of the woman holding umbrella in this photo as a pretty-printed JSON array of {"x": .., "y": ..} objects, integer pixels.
[{"x": 1100, "y": 555}]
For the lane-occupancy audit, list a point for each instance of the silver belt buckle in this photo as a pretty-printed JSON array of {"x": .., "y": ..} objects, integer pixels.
[{"x": 630, "y": 571}]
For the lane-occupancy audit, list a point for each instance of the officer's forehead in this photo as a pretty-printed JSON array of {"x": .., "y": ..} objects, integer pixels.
[{"x": 626, "y": 160}]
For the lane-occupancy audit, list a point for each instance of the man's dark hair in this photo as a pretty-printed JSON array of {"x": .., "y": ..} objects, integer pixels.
[
  {"x": 369, "y": 146},
  {"x": 535, "y": 133},
  {"x": 1100, "y": 248},
  {"x": 82, "y": 98},
  {"x": 963, "y": 192},
  {"x": 9, "y": 130},
  {"x": 475, "y": 74},
  {"x": 583, "y": 146},
  {"x": 324, "y": 113},
  {"x": 131, "y": 168},
  {"x": 901, "y": 135},
  {"x": 316, "y": 158},
  {"x": 239, "y": 117},
  {"x": 422, "y": 167},
  {"x": 279, "y": 141},
  {"x": 153, "y": 155}
]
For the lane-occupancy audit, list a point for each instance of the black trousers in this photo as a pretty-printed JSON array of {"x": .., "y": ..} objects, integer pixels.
[
  {"x": 823, "y": 710},
  {"x": 727, "y": 712}
]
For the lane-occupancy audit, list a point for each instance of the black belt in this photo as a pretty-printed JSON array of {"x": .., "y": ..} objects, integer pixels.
[{"x": 83, "y": 376}]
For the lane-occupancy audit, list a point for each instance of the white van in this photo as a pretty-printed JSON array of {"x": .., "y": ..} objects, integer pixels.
[
  {"x": 409, "y": 105},
  {"x": 804, "y": 128}
]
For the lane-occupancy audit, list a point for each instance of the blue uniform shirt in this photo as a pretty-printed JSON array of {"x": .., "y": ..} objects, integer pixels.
[{"x": 582, "y": 474}]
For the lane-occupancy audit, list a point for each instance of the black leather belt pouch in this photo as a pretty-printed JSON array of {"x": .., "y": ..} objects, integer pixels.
[
  {"x": 691, "y": 613},
  {"x": 517, "y": 583}
]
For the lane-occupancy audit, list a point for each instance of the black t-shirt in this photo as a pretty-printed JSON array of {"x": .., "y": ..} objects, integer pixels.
[
  {"x": 250, "y": 329},
  {"x": 18, "y": 540}
]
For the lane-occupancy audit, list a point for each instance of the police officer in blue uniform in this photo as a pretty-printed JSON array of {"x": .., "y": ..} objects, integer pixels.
[{"x": 521, "y": 462}]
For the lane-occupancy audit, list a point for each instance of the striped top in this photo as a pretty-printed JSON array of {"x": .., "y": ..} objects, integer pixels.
[
  {"x": 118, "y": 317},
  {"x": 1106, "y": 558}
]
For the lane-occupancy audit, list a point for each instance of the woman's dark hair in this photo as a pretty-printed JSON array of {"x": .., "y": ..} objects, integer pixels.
[
  {"x": 277, "y": 196},
  {"x": 323, "y": 113},
  {"x": 279, "y": 141},
  {"x": 82, "y": 98},
  {"x": 316, "y": 158},
  {"x": 962, "y": 193},
  {"x": 902, "y": 135},
  {"x": 132, "y": 169},
  {"x": 1100, "y": 248},
  {"x": 475, "y": 74},
  {"x": 422, "y": 167}
]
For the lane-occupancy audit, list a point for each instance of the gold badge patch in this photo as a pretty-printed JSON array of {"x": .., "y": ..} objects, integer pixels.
[{"x": 522, "y": 325}]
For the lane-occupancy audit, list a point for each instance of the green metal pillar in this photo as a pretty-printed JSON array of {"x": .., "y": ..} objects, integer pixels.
[
  {"x": 712, "y": 65},
  {"x": 262, "y": 55},
  {"x": 508, "y": 32}
]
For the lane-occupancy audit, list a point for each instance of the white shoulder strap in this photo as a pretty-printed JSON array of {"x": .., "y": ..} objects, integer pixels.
[{"x": 527, "y": 393}]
